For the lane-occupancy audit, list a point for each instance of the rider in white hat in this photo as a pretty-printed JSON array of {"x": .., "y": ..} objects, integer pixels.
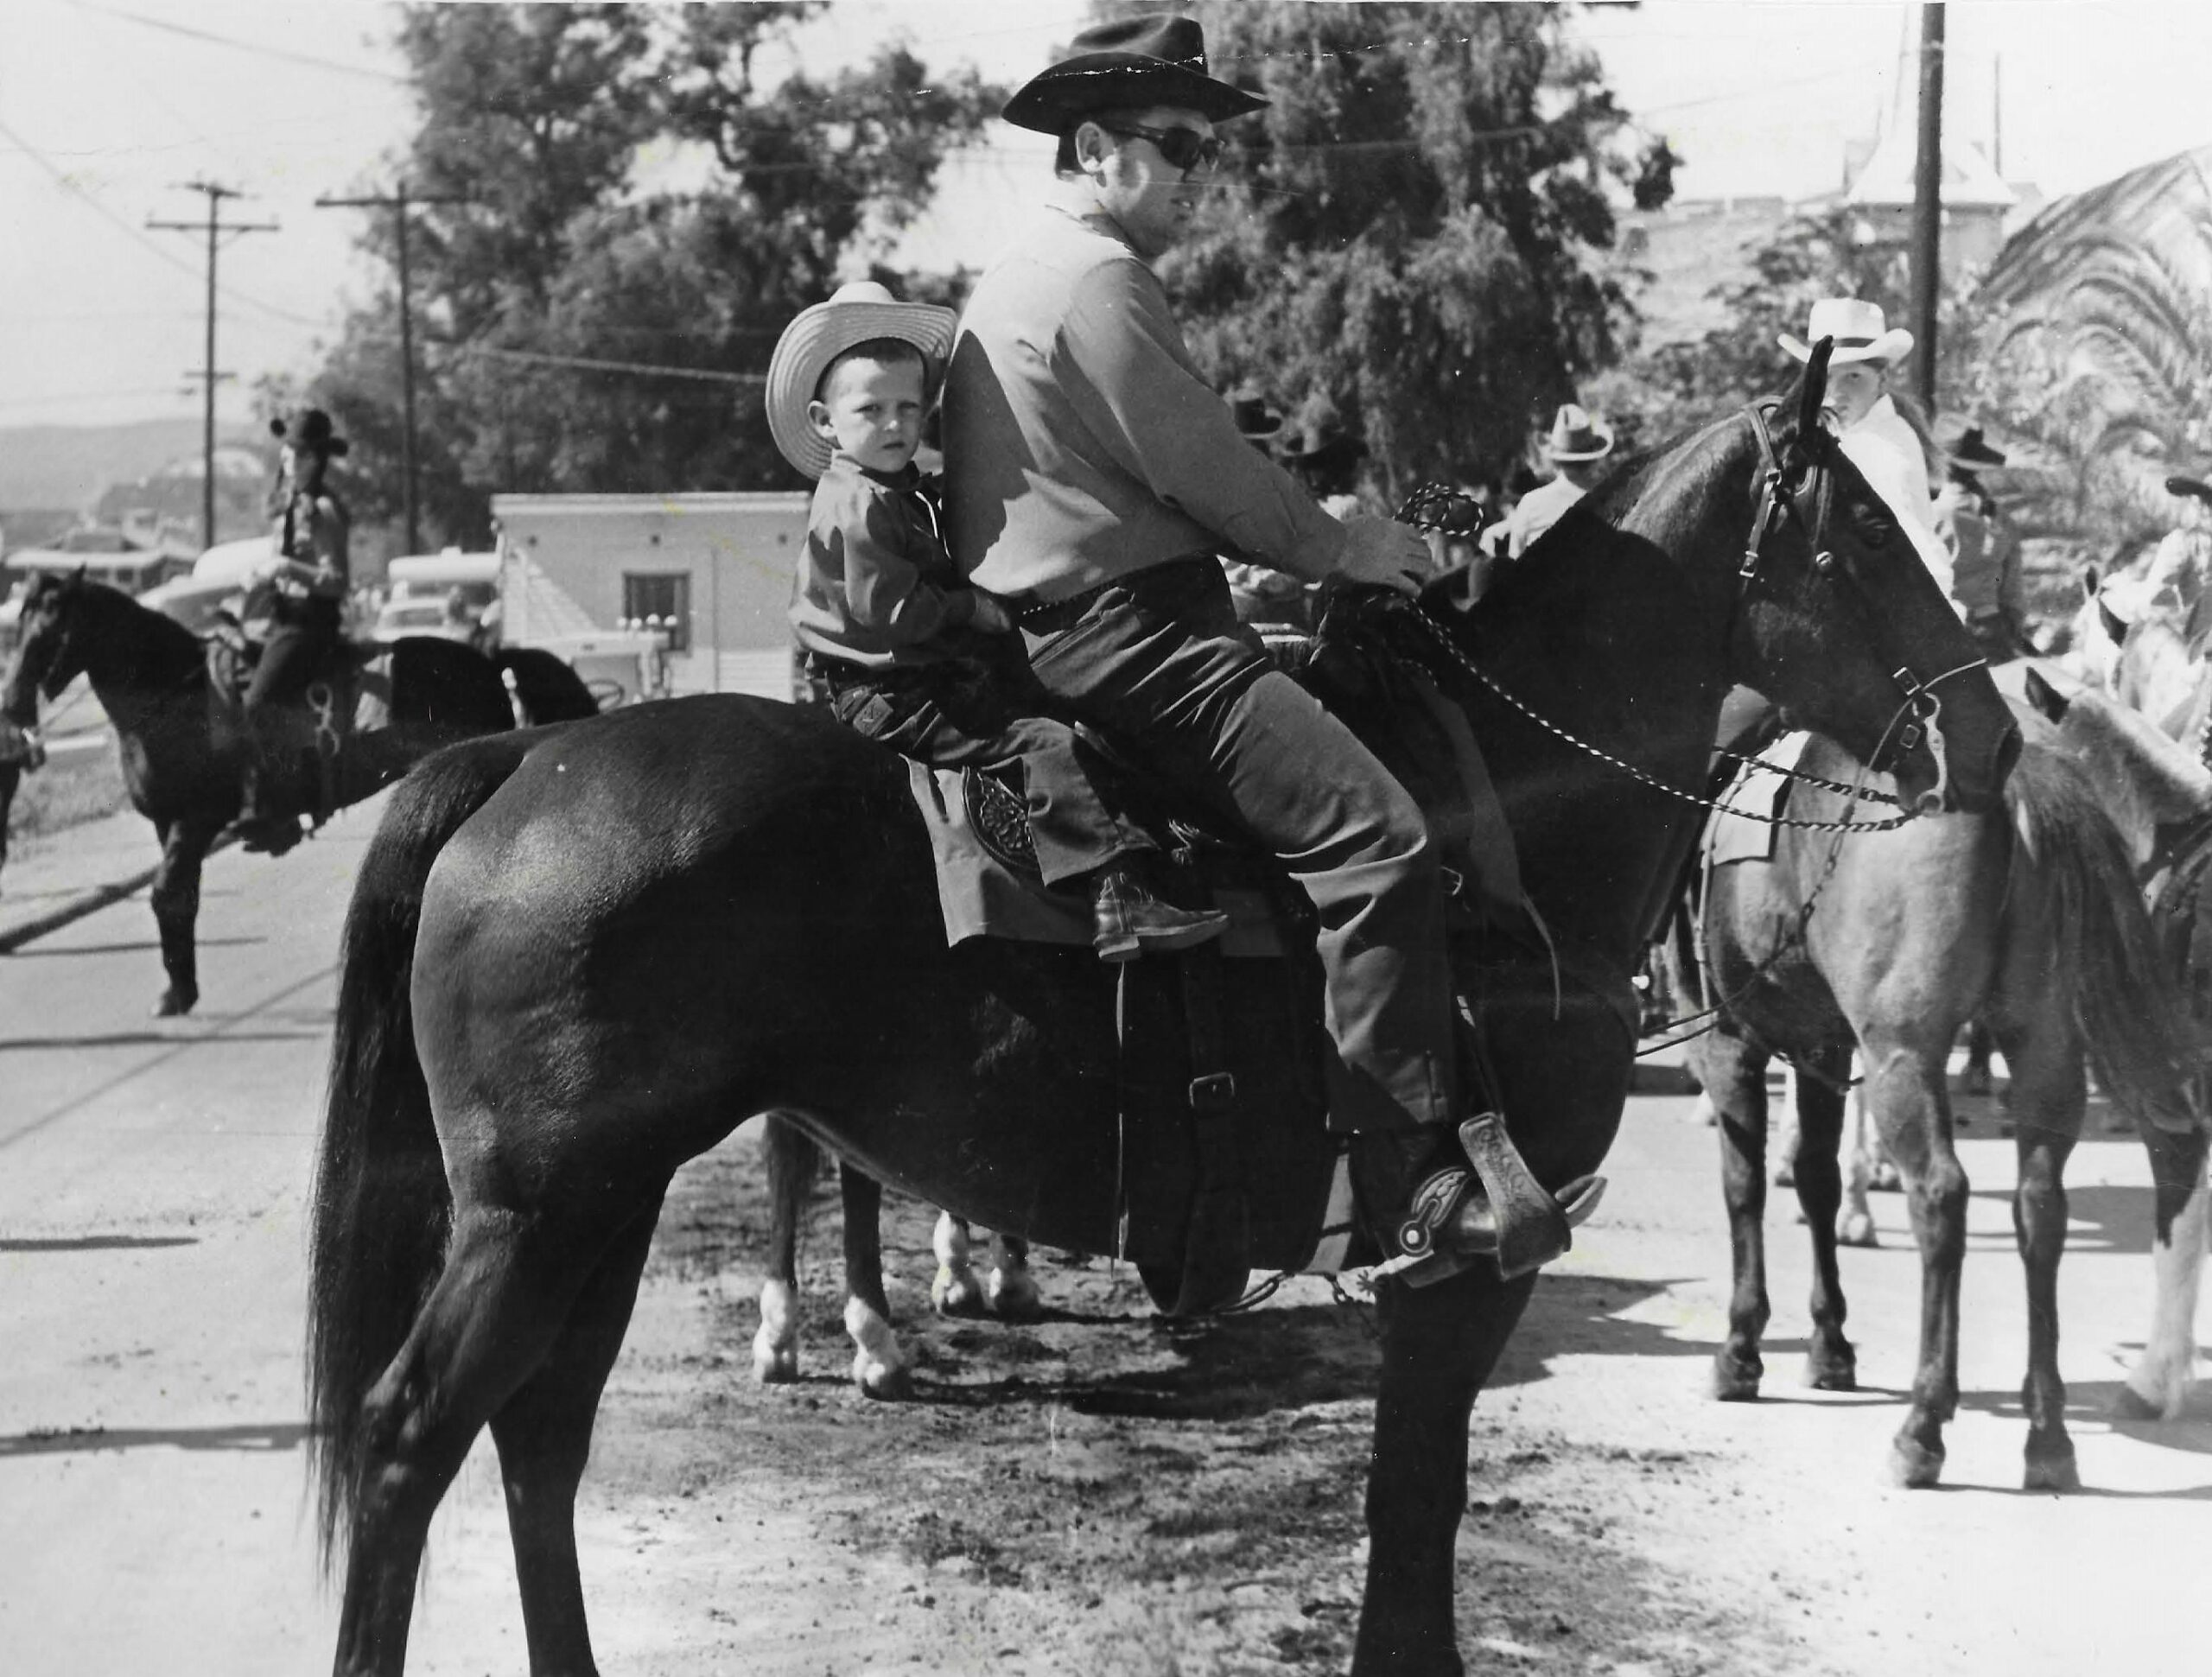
[
  {"x": 1877, "y": 438},
  {"x": 1575, "y": 447}
]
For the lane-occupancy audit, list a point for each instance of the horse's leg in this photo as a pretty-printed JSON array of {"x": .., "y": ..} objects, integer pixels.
[
  {"x": 2048, "y": 1094},
  {"x": 957, "y": 1290},
  {"x": 175, "y": 898},
  {"x": 1735, "y": 1077},
  {"x": 792, "y": 1158},
  {"x": 1975, "y": 1080},
  {"x": 544, "y": 1434},
  {"x": 2156, "y": 1388},
  {"x": 1855, "y": 1226},
  {"x": 1782, "y": 1139},
  {"x": 880, "y": 1368},
  {"x": 1439, "y": 1344},
  {"x": 500, "y": 1307},
  {"x": 1904, "y": 1088},
  {"x": 1009, "y": 1289},
  {"x": 1830, "y": 1365}
]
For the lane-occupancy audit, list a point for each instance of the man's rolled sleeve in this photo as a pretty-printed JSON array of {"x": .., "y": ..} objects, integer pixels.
[{"x": 1127, "y": 372}]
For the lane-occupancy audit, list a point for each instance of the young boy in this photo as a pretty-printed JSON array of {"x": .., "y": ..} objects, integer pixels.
[{"x": 891, "y": 630}]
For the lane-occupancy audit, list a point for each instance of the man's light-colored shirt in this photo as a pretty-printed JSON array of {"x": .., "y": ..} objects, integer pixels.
[
  {"x": 1887, "y": 452},
  {"x": 1537, "y": 512},
  {"x": 1985, "y": 555},
  {"x": 1080, "y": 442}
]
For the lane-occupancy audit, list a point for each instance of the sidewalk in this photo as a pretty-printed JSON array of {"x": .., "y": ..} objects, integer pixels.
[{"x": 53, "y": 879}]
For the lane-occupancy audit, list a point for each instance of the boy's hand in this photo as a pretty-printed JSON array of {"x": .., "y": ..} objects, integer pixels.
[{"x": 991, "y": 618}]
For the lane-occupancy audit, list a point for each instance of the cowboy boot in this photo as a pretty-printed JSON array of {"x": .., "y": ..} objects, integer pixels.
[
  {"x": 259, "y": 829},
  {"x": 1439, "y": 1209},
  {"x": 1130, "y": 918}
]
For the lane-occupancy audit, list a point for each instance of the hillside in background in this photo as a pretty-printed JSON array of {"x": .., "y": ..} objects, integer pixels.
[{"x": 69, "y": 466}]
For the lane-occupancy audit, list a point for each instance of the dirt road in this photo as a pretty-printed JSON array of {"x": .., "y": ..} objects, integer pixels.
[{"x": 1097, "y": 1494}]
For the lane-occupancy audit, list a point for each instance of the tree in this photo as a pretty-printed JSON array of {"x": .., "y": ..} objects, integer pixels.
[
  {"x": 1415, "y": 231},
  {"x": 557, "y": 253}
]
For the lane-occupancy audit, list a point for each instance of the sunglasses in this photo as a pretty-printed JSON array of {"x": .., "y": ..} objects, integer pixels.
[{"x": 1184, "y": 149}]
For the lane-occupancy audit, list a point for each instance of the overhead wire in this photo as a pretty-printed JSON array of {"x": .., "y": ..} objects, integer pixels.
[{"x": 284, "y": 54}]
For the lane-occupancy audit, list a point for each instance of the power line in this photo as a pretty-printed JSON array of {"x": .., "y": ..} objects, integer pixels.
[{"x": 264, "y": 50}]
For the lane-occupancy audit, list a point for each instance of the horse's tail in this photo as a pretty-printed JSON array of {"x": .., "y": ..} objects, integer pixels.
[
  {"x": 2069, "y": 859},
  {"x": 381, "y": 1209}
]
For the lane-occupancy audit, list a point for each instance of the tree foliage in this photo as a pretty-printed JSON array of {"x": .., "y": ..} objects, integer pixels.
[
  {"x": 643, "y": 184},
  {"x": 1417, "y": 230}
]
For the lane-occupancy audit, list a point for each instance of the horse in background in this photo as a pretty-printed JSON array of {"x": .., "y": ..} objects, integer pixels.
[
  {"x": 2159, "y": 796},
  {"x": 184, "y": 756},
  {"x": 1891, "y": 941}
]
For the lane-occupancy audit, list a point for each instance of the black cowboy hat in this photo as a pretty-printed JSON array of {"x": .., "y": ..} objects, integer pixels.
[
  {"x": 1968, "y": 448},
  {"x": 1321, "y": 440},
  {"x": 2196, "y": 486},
  {"x": 1256, "y": 420},
  {"x": 310, "y": 428},
  {"x": 1156, "y": 59}
]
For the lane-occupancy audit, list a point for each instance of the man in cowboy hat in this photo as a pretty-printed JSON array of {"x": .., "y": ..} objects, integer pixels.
[
  {"x": 1092, "y": 477},
  {"x": 1877, "y": 438},
  {"x": 310, "y": 531},
  {"x": 1986, "y": 581},
  {"x": 1575, "y": 446},
  {"x": 1325, "y": 457},
  {"x": 893, "y": 632}
]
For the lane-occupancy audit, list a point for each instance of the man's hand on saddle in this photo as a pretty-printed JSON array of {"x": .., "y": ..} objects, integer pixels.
[{"x": 1385, "y": 552}]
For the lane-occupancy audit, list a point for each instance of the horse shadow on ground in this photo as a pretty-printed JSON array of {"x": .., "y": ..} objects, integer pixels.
[
  {"x": 261, "y": 1438},
  {"x": 98, "y": 1243},
  {"x": 2104, "y": 1218},
  {"x": 156, "y": 1039},
  {"x": 35, "y": 952}
]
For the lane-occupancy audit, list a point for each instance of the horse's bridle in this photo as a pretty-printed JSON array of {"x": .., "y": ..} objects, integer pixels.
[{"x": 1808, "y": 498}]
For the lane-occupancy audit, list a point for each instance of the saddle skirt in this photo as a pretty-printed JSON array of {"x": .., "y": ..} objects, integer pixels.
[
  {"x": 350, "y": 693},
  {"x": 1742, "y": 828}
]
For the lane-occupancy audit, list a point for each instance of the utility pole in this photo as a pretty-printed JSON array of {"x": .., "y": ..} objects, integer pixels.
[
  {"x": 214, "y": 226},
  {"x": 398, "y": 200},
  {"x": 1928, "y": 199}
]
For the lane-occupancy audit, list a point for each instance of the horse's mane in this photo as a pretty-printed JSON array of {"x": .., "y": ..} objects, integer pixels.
[{"x": 161, "y": 635}]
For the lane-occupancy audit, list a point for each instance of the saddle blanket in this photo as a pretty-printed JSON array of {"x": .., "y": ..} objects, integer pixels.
[{"x": 1741, "y": 828}]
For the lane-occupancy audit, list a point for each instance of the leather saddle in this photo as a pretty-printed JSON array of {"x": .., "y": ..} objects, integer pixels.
[{"x": 344, "y": 694}]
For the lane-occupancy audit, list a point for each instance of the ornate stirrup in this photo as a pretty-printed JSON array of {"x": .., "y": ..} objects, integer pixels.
[{"x": 1521, "y": 1226}]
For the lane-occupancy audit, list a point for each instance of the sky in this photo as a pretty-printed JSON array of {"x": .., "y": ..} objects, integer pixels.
[{"x": 108, "y": 106}]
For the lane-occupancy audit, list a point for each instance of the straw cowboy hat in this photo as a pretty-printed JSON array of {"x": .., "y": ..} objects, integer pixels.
[
  {"x": 1256, "y": 420},
  {"x": 855, "y": 314},
  {"x": 310, "y": 428},
  {"x": 1965, "y": 446},
  {"x": 1860, "y": 332},
  {"x": 1575, "y": 436},
  {"x": 1154, "y": 60}
]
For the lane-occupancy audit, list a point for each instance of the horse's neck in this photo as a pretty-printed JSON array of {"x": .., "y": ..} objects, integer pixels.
[
  {"x": 136, "y": 658},
  {"x": 1618, "y": 634}
]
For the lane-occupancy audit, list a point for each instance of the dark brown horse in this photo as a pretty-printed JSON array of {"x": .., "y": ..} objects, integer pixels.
[
  {"x": 181, "y": 756},
  {"x": 2027, "y": 920},
  {"x": 574, "y": 963}
]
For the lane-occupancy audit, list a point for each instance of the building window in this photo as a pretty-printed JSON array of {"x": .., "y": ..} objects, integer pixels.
[{"x": 665, "y": 595}]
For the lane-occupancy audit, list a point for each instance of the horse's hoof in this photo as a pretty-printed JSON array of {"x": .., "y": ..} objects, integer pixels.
[
  {"x": 175, "y": 1003},
  {"x": 956, "y": 1295},
  {"x": 1012, "y": 1295},
  {"x": 1914, "y": 1466},
  {"x": 2131, "y": 1405},
  {"x": 1832, "y": 1373},
  {"x": 2051, "y": 1473},
  {"x": 1857, "y": 1229},
  {"x": 772, "y": 1364},
  {"x": 1734, "y": 1382},
  {"x": 888, "y": 1383}
]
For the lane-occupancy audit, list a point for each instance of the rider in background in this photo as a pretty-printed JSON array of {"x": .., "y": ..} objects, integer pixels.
[
  {"x": 894, "y": 634},
  {"x": 1886, "y": 446},
  {"x": 311, "y": 528},
  {"x": 1574, "y": 447},
  {"x": 1986, "y": 585},
  {"x": 1092, "y": 477}
]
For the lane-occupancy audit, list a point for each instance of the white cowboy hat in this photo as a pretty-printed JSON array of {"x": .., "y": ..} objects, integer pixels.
[
  {"x": 854, "y": 315},
  {"x": 1575, "y": 436},
  {"x": 1860, "y": 332}
]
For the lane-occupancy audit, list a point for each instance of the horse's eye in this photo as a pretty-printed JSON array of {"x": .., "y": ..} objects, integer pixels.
[{"x": 1875, "y": 529}]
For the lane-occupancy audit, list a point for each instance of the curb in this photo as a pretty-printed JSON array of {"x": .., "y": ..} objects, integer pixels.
[{"x": 91, "y": 900}]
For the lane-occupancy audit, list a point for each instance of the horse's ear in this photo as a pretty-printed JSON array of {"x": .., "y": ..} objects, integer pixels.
[
  {"x": 77, "y": 576},
  {"x": 1813, "y": 389},
  {"x": 2090, "y": 581},
  {"x": 2044, "y": 696},
  {"x": 2115, "y": 629}
]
